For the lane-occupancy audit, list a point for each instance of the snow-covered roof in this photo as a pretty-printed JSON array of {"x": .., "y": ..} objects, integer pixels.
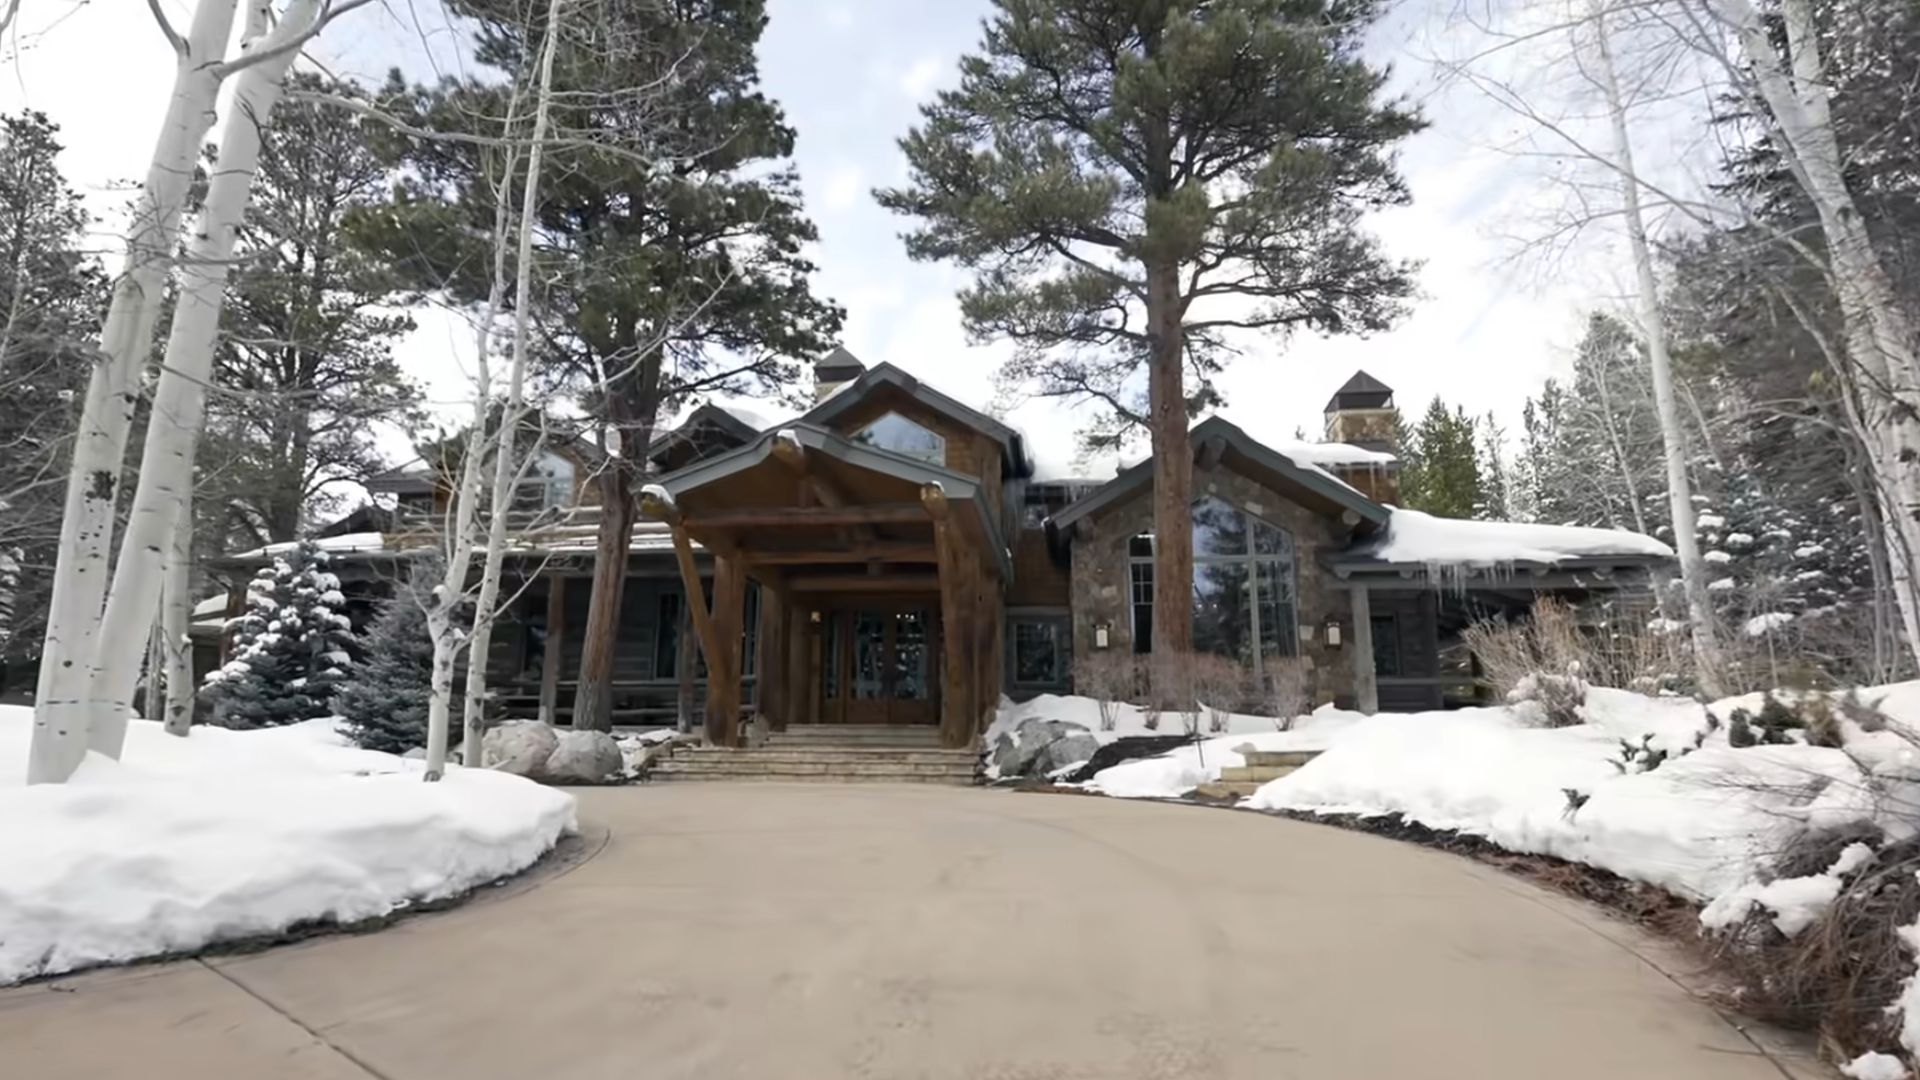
[
  {"x": 212, "y": 606},
  {"x": 1415, "y": 537},
  {"x": 338, "y": 545},
  {"x": 1331, "y": 453}
]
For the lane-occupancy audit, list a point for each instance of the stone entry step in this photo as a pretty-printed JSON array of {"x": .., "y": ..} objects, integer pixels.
[
  {"x": 1262, "y": 767},
  {"x": 854, "y": 754}
]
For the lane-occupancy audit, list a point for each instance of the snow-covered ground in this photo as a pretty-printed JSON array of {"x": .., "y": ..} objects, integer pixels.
[{"x": 232, "y": 834}]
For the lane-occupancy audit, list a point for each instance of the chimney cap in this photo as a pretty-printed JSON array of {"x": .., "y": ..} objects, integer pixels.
[
  {"x": 1363, "y": 391},
  {"x": 838, "y": 366}
]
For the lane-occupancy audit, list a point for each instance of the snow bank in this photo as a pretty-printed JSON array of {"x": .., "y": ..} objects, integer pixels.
[
  {"x": 232, "y": 834},
  {"x": 1415, "y": 537},
  {"x": 1698, "y": 825},
  {"x": 1179, "y": 771},
  {"x": 1128, "y": 719}
]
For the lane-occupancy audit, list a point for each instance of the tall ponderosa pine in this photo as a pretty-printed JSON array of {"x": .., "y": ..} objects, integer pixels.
[
  {"x": 51, "y": 292},
  {"x": 670, "y": 233},
  {"x": 290, "y": 647},
  {"x": 1133, "y": 181},
  {"x": 383, "y": 704},
  {"x": 305, "y": 357}
]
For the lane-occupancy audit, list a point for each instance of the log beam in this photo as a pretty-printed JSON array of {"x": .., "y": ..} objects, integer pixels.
[
  {"x": 865, "y": 583},
  {"x": 882, "y": 551},
  {"x": 805, "y": 516}
]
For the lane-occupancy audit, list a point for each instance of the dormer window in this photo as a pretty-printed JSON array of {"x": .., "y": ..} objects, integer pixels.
[{"x": 904, "y": 437}]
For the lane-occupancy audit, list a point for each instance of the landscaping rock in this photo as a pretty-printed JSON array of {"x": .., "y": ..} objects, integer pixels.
[
  {"x": 1127, "y": 748},
  {"x": 520, "y": 747},
  {"x": 1042, "y": 747},
  {"x": 584, "y": 757}
]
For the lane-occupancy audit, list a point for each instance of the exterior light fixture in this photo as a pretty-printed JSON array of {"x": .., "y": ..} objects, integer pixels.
[
  {"x": 1333, "y": 633},
  {"x": 1100, "y": 633}
]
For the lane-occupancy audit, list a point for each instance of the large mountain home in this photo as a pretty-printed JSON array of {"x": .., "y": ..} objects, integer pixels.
[{"x": 893, "y": 556}]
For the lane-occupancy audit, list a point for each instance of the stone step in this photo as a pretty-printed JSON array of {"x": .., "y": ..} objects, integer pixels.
[
  {"x": 749, "y": 767},
  {"x": 809, "y": 778},
  {"x": 782, "y": 752},
  {"x": 1227, "y": 789},
  {"x": 1288, "y": 758},
  {"x": 1255, "y": 774},
  {"x": 856, "y": 734}
]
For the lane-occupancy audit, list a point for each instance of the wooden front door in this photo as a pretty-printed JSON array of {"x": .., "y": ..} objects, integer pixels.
[{"x": 885, "y": 668}]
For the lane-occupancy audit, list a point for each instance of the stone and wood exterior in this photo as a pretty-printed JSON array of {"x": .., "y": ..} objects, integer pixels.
[{"x": 890, "y": 557}]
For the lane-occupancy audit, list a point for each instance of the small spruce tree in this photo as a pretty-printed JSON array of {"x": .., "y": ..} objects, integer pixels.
[
  {"x": 383, "y": 705},
  {"x": 291, "y": 647}
]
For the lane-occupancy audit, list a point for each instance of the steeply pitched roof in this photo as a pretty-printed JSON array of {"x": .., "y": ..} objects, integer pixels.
[
  {"x": 1363, "y": 391},
  {"x": 1019, "y": 464},
  {"x": 1307, "y": 476}
]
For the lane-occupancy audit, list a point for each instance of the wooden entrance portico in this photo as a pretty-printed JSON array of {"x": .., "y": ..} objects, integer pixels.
[{"x": 881, "y": 582}]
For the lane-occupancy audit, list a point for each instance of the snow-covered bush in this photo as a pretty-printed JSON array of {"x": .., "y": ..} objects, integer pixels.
[
  {"x": 1806, "y": 718},
  {"x": 291, "y": 648},
  {"x": 1287, "y": 696},
  {"x": 1552, "y": 698},
  {"x": 1111, "y": 678},
  {"x": 384, "y": 705}
]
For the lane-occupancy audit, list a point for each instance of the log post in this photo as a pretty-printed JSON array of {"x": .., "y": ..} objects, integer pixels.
[
  {"x": 553, "y": 650},
  {"x": 685, "y": 661},
  {"x": 956, "y": 707},
  {"x": 770, "y": 651},
  {"x": 801, "y": 686},
  {"x": 723, "y": 657},
  {"x": 1366, "y": 686}
]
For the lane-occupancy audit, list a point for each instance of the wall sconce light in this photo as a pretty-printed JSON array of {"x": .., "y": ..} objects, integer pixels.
[
  {"x": 1100, "y": 634},
  {"x": 1333, "y": 633},
  {"x": 815, "y": 616}
]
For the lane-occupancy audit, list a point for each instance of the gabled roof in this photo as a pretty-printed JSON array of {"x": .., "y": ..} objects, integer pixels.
[
  {"x": 959, "y": 487},
  {"x": 708, "y": 416},
  {"x": 1019, "y": 464},
  {"x": 1250, "y": 450},
  {"x": 1363, "y": 391}
]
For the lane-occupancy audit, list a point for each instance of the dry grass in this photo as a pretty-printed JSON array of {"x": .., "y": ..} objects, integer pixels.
[
  {"x": 1111, "y": 678},
  {"x": 1221, "y": 686},
  {"x": 1838, "y": 976},
  {"x": 1287, "y": 696}
]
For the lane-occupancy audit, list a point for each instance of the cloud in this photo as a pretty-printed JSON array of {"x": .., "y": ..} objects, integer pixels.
[
  {"x": 845, "y": 185},
  {"x": 918, "y": 80}
]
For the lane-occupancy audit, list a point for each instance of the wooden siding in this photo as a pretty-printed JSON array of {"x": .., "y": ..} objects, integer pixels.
[
  {"x": 1038, "y": 580},
  {"x": 969, "y": 450}
]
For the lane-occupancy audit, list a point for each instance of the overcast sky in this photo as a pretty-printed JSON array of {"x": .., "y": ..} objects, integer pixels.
[{"x": 1484, "y": 333}]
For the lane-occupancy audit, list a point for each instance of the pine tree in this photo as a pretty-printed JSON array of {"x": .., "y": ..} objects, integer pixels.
[
  {"x": 1135, "y": 183},
  {"x": 291, "y": 647},
  {"x": 1441, "y": 473},
  {"x": 383, "y": 704},
  {"x": 1496, "y": 483}
]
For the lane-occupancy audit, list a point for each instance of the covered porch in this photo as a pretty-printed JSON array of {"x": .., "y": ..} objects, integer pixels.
[{"x": 880, "y": 582}]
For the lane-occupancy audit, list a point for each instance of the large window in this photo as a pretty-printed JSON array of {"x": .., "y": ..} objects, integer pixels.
[
  {"x": 1038, "y": 650},
  {"x": 666, "y": 638},
  {"x": 547, "y": 485},
  {"x": 1243, "y": 585},
  {"x": 905, "y": 437}
]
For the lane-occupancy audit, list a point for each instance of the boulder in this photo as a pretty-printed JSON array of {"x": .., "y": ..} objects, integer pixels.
[
  {"x": 1042, "y": 747},
  {"x": 520, "y": 747},
  {"x": 584, "y": 757}
]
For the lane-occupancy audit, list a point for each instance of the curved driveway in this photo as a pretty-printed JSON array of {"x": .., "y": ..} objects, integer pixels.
[{"x": 763, "y": 931}]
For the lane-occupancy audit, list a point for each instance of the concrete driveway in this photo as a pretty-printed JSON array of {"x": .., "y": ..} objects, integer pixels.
[{"x": 757, "y": 931}]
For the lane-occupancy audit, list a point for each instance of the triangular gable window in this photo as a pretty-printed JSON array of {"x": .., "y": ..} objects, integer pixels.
[{"x": 904, "y": 437}]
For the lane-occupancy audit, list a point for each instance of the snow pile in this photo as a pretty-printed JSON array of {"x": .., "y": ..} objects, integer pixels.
[
  {"x": 1699, "y": 824},
  {"x": 233, "y": 834},
  {"x": 1415, "y": 537},
  {"x": 1179, "y": 771},
  {"x": 1795, "y": 903},
  {"x": 1873, "y": 1065},
  {"x": 1128, "y": 719}
]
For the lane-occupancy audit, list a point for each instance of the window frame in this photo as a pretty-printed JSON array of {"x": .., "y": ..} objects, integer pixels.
[
  {"x": 1060, "y": 635},
  {"x": 936, "y": 455},
  {"x": 1140, "y": 558}
]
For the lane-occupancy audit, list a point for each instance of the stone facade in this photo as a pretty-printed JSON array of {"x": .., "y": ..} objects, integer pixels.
[{"x": 1100, "y": 575}]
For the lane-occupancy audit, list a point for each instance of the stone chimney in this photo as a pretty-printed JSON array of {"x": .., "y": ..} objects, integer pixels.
[
  {"x": 835, "y": 370},
  {"x": 1361, "y": 413}
]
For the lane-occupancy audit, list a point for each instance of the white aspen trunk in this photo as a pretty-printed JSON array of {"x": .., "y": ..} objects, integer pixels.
[
  {"x": 179, "y": 400},
  {"x": 1693, "y": 569},
  {"x": 1880, "y": 333},
  {"x": 176, "y": 617},
  {"x": 60, "y": 720},
  {"x": 447, "y": 594},
  {"x": 505, "y": 465}
]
